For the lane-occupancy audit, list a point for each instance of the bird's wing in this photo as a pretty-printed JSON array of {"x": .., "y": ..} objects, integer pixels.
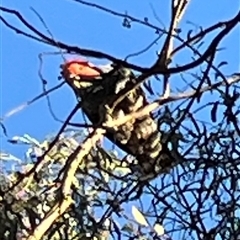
[{"x": 138, "y": 137}]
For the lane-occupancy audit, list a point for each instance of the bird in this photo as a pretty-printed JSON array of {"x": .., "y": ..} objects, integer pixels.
[{"x": 98, "y": 87}]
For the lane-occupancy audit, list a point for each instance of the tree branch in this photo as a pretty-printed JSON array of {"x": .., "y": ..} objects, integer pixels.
[{"x": 229, "y": 25}]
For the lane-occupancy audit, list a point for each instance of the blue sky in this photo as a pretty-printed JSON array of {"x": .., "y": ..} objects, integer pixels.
[
  {"x": 79, "y": 25},
  {"x": 90, "y": 28}
]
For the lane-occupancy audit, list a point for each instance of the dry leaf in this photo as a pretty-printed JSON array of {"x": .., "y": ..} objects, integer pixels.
[
  {"x": 159, "y": 229},
  {"x": 139, "y": 217}
]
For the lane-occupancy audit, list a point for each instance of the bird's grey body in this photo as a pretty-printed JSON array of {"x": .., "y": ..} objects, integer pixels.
[{"x": 138, "y": 137}]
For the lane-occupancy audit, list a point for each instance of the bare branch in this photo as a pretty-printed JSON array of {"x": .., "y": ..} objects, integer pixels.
[
  {"x": 73, "y": 49},
  {"x": 48, "y": 220},
  {"x": 155, "y": 69},
  {"x": 178, "y": 9},
  {"x": 28, "y": 103},
  {"x": 143, "y": 50},
  {"x": 151, "y": 107},
  {"x": 122, "y": 15}
]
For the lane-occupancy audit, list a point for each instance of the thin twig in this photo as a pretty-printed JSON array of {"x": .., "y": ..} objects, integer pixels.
[
  {"x": 143, "y": 50},
  {"x": 73, "y": 49},
  {"x": 163, "y": 100},
  {"x": 28, "y": 103},
  {"x": 43, "y": 81},
  {"x": 229, "y": 25},
  {"x": 165, "y": 55},
  {"x": 122, "y": 15},
  {"x": 72, "y": 164}
]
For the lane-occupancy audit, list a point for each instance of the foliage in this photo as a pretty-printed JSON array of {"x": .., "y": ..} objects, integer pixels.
[{"x": 93, "y": 190}]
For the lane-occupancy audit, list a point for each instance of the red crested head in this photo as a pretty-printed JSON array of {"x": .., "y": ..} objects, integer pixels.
[{"x": 81, "y": 68}]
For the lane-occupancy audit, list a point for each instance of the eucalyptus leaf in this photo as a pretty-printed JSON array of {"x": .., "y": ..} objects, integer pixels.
[{"x": 138, "y": 216}]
